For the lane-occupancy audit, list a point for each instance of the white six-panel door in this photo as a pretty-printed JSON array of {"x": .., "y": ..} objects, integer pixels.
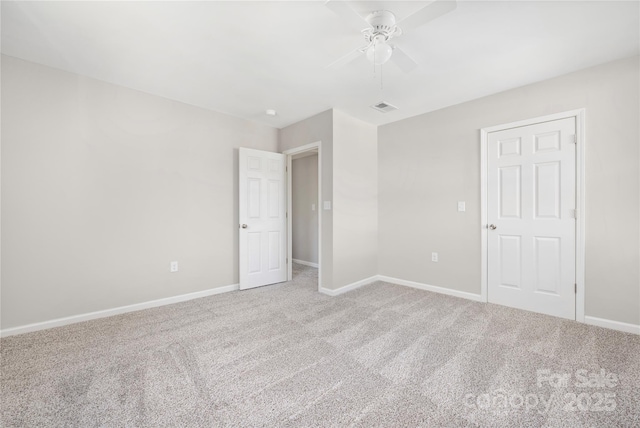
[
  {"x": 263, "y": 224},
  {"x": 531, "y": 217}
]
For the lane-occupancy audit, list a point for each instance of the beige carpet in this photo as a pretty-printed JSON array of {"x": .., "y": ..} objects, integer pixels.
[{"x": 285, "y": 355}]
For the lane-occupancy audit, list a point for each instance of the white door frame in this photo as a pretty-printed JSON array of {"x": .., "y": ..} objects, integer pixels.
[
  {"x": 579, "y": 115},
  {"x": 317, "y": 146}
]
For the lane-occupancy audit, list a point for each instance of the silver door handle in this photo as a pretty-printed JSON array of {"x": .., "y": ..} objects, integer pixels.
[
  {"x": 244, "y": 226},
  {"x": 493, "y": 227}
]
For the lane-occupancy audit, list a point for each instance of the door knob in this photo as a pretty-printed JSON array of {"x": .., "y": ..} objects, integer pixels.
[
  {"x": 244, "y": 226},
  {"x": 493, "y": 227}
]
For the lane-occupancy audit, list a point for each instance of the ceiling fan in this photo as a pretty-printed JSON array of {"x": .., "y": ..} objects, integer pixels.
[{"x": 381, "y": 28}]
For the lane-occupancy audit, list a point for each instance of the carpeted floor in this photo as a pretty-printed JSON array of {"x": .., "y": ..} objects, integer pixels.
[{"x": 285, "y": 355}]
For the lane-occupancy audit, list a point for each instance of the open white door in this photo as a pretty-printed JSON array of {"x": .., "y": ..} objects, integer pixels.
[
  {"x": 263, "y": 222},
  {"x": 531, "y": 215}
]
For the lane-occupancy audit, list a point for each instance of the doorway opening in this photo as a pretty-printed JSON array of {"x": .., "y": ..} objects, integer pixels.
[{"x": 304, "y": 216}]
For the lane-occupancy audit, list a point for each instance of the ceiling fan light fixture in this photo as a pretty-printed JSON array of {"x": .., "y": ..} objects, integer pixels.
[
  {"x": 382, "y": 27},
  {"x": 379, "y": 52}
]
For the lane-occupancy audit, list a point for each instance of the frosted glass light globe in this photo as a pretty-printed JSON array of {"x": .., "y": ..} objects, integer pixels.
[{"x": 379, "y": 52}]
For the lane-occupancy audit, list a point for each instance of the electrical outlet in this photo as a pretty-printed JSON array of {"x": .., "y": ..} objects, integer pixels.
[
  {"x": 174, "y": 267},
  {"x": 434, "y": 257},
  {"x": 461, "y": 206}
]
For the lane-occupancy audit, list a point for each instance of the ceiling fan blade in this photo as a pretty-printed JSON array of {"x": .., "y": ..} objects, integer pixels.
[
  {"x": 430, "y": 12},
  {"x": 351, "y": 56},
  {"x": 402, "y": 60},
  {"x": 349, "y": 15}
]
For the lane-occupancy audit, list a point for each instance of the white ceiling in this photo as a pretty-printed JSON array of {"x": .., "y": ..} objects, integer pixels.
[{"x": 241, "y": 57}]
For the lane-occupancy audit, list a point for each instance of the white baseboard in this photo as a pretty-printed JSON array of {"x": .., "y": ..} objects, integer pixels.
[
  {"x": 434, "y": 288},
  {"x": 418, "y": 285},
  {"x": 349, "y": 287},
  {"x": 302, "y": 262},
  {"x": 614, "y": 325},
  {"x": 599, "y": 322},
  {"x": 115, "y": 311}
]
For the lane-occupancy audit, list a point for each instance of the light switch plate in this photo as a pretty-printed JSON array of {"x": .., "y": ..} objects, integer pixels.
[
  {"x": 327, "y": 205},
  {"x": 313, "y": 207},
  {"x": 461, "y": 206}
]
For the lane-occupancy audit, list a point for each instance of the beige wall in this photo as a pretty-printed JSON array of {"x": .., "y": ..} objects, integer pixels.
[
  {"x": 429, "y": 162},
  {"x": 102, "y": 187},
  {"x": 311, "y": 130},
  {"x": 304, "y": 205},
  {"x": 355, "y": 200},
  {"x": 349, "y": 181}
]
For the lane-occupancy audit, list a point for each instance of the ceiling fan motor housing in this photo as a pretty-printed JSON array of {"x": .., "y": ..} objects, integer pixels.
[{"x": 383, "y": 22}]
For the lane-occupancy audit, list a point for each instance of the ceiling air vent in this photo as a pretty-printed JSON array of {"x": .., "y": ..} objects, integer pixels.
[{"x": 384, "y": 107}]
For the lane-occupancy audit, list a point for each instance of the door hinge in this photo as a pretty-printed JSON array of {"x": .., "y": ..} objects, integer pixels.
[
  {"x": 287, "y": 260},
  {"x": 575, "y": 288},
  {"x": 574, "y": 213},
  {"x": 286, "y": 214},
  {"x": 575, "y": 139}
]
